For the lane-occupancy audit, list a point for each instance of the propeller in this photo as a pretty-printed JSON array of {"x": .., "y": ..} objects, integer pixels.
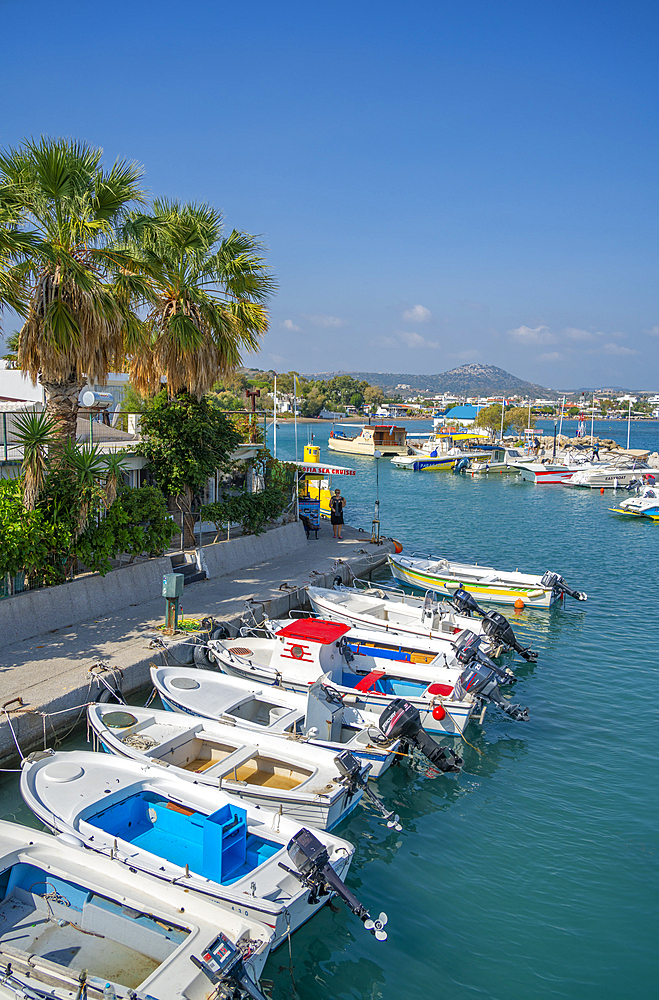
[{"x": 376, "y": 927}]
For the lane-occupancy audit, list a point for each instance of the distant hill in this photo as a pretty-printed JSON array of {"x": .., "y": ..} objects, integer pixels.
[{"x": 467, "y": 380}]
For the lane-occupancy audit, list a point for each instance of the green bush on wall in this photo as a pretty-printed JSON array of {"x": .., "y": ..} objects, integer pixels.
[{"x": 252, "y": 511}]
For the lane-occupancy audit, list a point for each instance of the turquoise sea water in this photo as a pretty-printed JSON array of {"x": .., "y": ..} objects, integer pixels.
[{"x": 534, "y": 873}]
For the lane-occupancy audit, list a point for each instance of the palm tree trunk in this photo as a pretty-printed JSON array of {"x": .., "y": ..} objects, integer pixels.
[{"x": 62, "y": 407}]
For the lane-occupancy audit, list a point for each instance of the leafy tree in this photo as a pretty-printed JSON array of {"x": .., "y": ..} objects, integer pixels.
[
  {"x": 374, "y": 395},
  {"x": 489, "y": 416},
  {"x": 185, "y": 440},
  {"x": 205, "y": 294},
  {"x": 357, "y": 400},
  {"x": 11, "y": 344},
  {"x": 573, "y": 411},
  {"x": 34, "y": 432},
  {"x": 60, "y": 267},
  {"x": 518, "y": 418},
  {"x": 313, "y": 402}
]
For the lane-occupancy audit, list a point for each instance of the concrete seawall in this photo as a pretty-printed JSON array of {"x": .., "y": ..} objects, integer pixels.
[{"x": 108, "y": 631}]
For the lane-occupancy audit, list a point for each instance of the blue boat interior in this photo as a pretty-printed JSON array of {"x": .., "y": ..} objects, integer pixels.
[
  {"x": 217, "y": 846},
  {"x": 377, "y": 683}
]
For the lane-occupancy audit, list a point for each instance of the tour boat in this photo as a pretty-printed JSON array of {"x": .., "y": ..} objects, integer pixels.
[
  {"x": 485, "y": 582},
  {"x": 182, "y": 833},
  {"x": 439, "y": 453},
  {"x": 644, "y": 504},
  {"x": 392, "y": 610},
  {"x": 308, "y": 649},
  {"x": 369, "y": 438},
  {"x": 313, "y": 719},
  {"x": 74, "y": 923},
  {"x": 302, "y": 781}
]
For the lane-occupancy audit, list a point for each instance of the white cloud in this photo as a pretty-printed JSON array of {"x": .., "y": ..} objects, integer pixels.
[
  {"x": 552, "y": 356},
  {"x": 416, "y": 340},
  {"x": 288, "y": 324},
  {"x": 417, "y": 314},
  {"x": 617, "y": 349},
  {"x": 532, "y": 334},
  {"x": 326, "y": 321},
  {"x": 653, "y": 331}
]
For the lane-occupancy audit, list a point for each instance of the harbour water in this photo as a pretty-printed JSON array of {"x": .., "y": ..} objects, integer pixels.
[{"x": 533, "y": 873}]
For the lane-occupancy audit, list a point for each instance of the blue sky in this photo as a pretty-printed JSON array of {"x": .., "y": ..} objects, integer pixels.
[{"x": 438, "y": 183}]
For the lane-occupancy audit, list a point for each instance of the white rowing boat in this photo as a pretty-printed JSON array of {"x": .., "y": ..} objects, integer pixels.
[
  {"x": 190, "y": 835},
  {"x": 484, "y": 582},
  {"x": 71, "y": 919},
  {"x": 392, "y": 610},
  {"x": 312, "y": 719},
  {"x": 301, "y": 781}
]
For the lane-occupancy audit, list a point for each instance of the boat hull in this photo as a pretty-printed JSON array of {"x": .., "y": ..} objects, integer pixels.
[
  {"x": 497, "y": 593},
  {"x": 349, "y": 446}
]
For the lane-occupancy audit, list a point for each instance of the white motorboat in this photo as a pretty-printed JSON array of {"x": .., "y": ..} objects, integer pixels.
[
  {"x": 313, "y": 719},
  {"x": 302, "y": 781},
  {"x": 621, "y": 471},
  {"x": 484, "y": 582},
  {"x": 498, "y": 461},
  {"x": 181, "y": 833},
  {"x": 73, "y": 922},
  {"x": 308, "y": 649},
  {"x": 392, "y": 610},
  {"x": 644, "y": 504},
  {"x": 366, "y": 439}
]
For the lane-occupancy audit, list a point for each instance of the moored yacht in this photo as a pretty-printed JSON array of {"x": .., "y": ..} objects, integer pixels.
[{"x": 368, "y": 438}]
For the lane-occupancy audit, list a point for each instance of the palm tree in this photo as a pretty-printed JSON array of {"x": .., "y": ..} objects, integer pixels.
[
  {"x": 205, "y": 294},
  {"x": 34, "y": 431},
  {"x": 60, "y": 267}
]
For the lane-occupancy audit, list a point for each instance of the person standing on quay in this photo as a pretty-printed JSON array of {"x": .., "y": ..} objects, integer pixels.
[{"x": 337, "y": 503}]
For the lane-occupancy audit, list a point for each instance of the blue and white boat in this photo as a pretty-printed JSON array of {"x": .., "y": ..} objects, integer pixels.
[
  {"x": 74, "y": 922},
  {"x": 182, "y": 833}
]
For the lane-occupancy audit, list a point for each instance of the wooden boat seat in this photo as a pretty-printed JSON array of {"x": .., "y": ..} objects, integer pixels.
[{"x": 252, "y": 774}]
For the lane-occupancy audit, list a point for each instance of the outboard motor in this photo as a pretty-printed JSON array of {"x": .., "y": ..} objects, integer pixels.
[
  {"x": 559, "y": 586},
  {"x": 223, "y": 964},
  {"x": 465, "y": 603},
  {"x": 402, "y": 721},
  {"x": 482, "y": 682},
  {"x": 314, "y": 870},
  {"x": 352, "y": 776},
  {"x": 496, "y": 626},
  {"x": 468, "y": 648},
  {"x": 462, "y": 464}
]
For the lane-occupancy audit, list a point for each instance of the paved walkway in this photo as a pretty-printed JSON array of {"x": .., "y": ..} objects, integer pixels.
[{"x": 50, "y": 673}]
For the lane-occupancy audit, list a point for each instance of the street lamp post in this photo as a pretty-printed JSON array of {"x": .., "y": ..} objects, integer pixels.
[{"x": 375, "y": 526}]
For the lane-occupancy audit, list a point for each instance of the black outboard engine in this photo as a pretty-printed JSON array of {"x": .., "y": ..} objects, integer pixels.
[
  {"x": 223, "y": 964},
  {"x": 468, "y": 648},
  {"x": 559, "y": 586},
  {"x": 479, "y": 680},
  {"x": 465, "y": 603},
  {"x": 314, "y": 870},
  {"x": 352, "y": 776},
  {"x": 496, "y": 626},
  {"x": 402, "y": 721}
]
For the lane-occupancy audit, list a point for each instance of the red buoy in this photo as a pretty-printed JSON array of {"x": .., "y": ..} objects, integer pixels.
[{"x": 438, "y": 713}]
